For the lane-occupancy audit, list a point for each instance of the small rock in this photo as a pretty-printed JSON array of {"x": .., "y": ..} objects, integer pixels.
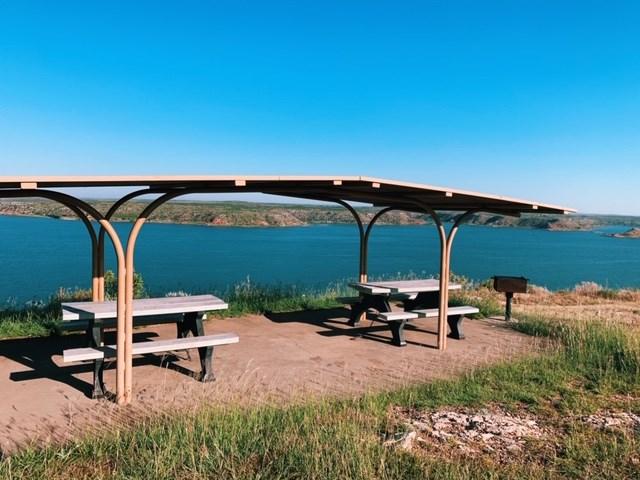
[{"x": 407, "y": 441}]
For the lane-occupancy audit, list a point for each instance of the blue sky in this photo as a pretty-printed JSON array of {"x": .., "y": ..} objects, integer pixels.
[{"x": 536, "y": 99}]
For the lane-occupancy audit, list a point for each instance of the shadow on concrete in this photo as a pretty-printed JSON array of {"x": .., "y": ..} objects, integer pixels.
[
  {"x": 333, "y": 323},
  {"x": 37, "y": 354}
]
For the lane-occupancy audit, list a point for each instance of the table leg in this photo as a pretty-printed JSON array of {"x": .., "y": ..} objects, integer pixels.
[
  {"x": 183, "y": 332},
  {"x": 397, "y": 332},
  {"x": 455, "y": 325},
  {"x": 193, "y": 323},
  {"x": 375, "y": 302},
  {"x": 95, "y": 339}
]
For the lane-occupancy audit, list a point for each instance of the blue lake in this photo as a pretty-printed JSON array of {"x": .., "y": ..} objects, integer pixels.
[{"x": 38, "y": 255}]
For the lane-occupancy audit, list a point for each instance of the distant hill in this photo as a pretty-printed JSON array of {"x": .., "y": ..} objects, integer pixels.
[{"x": 283, "y": 215}]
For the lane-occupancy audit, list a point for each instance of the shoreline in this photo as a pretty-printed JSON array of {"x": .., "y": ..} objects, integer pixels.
[{"x": 309, "y": 224}]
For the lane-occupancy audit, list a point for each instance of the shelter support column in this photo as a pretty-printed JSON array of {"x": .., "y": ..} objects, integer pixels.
[
  {"x": 362, "y": 273},
  {"x": 365, "y": 243},
  {"x": 126, "y": 285},
  {"x": 444, "y": 276},
  {"x": 83, "y": 210},
  {"x": 446, "y": 246},
  {"x": 100, "y": 253}
]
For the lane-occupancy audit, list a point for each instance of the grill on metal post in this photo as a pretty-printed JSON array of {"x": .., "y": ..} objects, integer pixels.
[{"x": 509, "y": 286}]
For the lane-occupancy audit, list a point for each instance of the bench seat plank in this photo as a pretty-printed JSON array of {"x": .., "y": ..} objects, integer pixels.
[
  {"x": 393, "y": 316},
  {"x": 142, "y": 348},
  {"x": 398, "y": 319},
  {"x": 433, "y": 312}
]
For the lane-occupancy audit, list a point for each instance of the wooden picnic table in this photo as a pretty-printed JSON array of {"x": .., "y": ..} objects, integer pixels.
[
  {"x": 186, "y": 312},
  {"x": 414, "y": 294}
]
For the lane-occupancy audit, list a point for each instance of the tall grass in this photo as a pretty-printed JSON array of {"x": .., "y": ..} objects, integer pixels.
[
  {"x": 589, "y": 366},
  {"x": 599, "y": 350}
]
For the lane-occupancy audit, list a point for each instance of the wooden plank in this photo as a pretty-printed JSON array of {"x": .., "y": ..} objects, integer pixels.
[
  {"x": 141, "y": 303},
  {"x": 369, "y": 288},
  {"x": 75, "y": 325},
  {"x": 391, "y": 316},
  {"x": 143, "y": 348},
  {"x": 433, "y": 312},
  {"x": 143, "y": 307}
]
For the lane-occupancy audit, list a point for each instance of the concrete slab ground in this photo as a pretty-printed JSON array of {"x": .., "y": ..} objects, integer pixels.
[{"x": 284, "y": 357}]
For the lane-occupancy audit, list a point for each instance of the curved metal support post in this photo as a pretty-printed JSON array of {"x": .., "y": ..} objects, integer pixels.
[
  {"x": 456, "y": 225},
  {"x": 364, "y": 235},
  {"x": 444, "y": 275},
  {"x": 364, "y": 269},
  {"x": 446, "y": 246},
  {"x": 117, "y": 245},
  {"x": 112, "y": 210},
  {"x": 95, "y": 269},
  {"x": 82, "y": 215},
  {"x": 364, "y": 249},
  {"x": 128, "y": 284}
]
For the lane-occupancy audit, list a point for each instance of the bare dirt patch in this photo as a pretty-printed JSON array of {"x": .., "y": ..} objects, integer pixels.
[{"x": 467, "y": 432}]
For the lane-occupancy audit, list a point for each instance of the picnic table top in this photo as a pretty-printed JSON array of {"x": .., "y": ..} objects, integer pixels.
[
  {"x": 142, "y": 307},
  {"x": 401, "y": 286}
]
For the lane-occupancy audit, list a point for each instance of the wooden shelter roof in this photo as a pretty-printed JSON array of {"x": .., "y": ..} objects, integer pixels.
[{"x": 375, "y": 191}]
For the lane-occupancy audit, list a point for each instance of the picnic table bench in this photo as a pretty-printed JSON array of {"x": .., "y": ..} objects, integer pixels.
[
  {"x": 420, "y": 299},
  {"x": 186, "y": 312},
  {"x": 414, "y": 294}
]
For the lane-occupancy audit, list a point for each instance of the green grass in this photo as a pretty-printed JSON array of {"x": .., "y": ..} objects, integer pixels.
[
  {"x": 37, "y": 319},
  {"x": 590, "y": 366},
  {"x": 247, "y": 297}
]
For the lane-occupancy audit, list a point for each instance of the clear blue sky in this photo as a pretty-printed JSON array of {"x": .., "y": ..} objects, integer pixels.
[{"x": 534, "y": 99}]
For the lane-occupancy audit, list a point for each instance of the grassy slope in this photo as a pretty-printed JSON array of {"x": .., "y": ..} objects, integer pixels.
[{"x": 595, "y": 367}]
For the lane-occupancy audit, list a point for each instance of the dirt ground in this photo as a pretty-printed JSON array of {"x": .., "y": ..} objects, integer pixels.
[{"x": 288, "y": 356}]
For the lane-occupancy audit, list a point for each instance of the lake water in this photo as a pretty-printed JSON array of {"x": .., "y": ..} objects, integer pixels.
[{"x": 38, "y": 255}]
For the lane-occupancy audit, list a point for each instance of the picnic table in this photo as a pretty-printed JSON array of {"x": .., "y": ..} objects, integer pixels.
[
  {"x": 414, "y": 294},
  {"x": 186, "y": 312},
  {"x": 420, "y": 298}
]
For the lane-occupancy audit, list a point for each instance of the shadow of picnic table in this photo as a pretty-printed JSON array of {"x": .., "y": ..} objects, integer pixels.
[{"x": 38, "y": 354}]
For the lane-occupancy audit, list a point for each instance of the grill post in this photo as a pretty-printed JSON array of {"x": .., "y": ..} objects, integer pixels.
[{"x": 509, "y": 286}]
